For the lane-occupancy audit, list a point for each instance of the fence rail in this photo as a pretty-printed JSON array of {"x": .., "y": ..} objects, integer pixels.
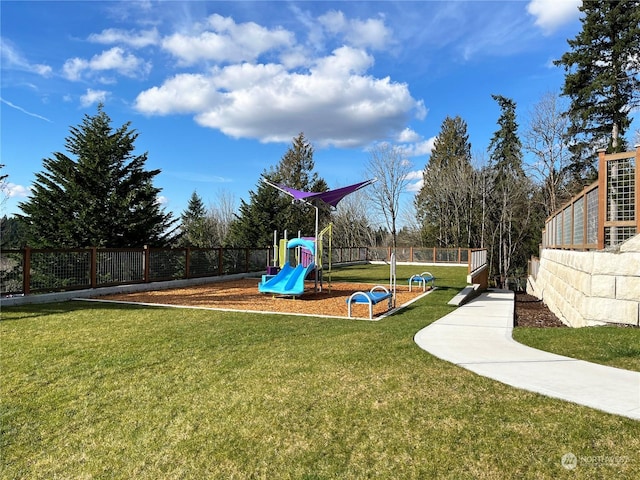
[
  {"x": 28, "y": 271},
  {"x": 421, "y": 254},
  {"x": 605, "y": 213}
]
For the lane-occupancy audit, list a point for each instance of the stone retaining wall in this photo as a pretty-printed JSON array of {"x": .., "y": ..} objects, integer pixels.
[{"x": 591, "y": 288}]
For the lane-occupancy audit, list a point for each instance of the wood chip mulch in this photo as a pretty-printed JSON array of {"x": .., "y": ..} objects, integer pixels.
[
  {"x": 243, "y": 295},
  {"x": 532, "y": 312}
]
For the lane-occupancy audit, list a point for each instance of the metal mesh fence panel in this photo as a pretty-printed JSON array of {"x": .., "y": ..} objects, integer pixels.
[
  {"x": 60, "y": 270},
  {"x": 578, "y": 221},
  {"x": 616, "y": 235},
  {"x": 204, "y": 263},
  {"x": 423, "y": 255},
  {"x": 403, "y": 254},
  {"x": 447, "y": 255},
  {"x": 592, "y": 216},
  {"x": 166, "y": 264},
  {"x": 116, "y": 267},
  {"x": 234, "y": 261},
  {"x": 621, "y": 189},
  {"x": 258, "y": 260},
  {"x": 11, "y": 272},
  {"x": 566, "y": 226},
  {"x": 378, "y": 253}
]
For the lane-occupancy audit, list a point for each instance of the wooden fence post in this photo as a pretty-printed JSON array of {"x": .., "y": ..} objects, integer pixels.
[
  {"x": 602, "y": 196},
  {"x": 637, "y": 173},
  {"x": 187, "y": 262},
  {"x": 26, "y": 271}
]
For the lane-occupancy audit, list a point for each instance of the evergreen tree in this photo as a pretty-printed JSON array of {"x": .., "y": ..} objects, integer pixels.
[
  {"x": 12, "y": 234},
  {"x": 602, "y": 79},
  {"x": 511, "y": 203},
  {"x": 104, "y": 197},
  {"x": 444, "y": 203},
  {"x": 196, "y": 227},
  {"x": 269, "y": 209}
]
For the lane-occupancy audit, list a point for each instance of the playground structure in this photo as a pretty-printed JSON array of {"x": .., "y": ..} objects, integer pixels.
[
  {"x": 282, "y": 254},
  {"x": 290, "y": 280}
]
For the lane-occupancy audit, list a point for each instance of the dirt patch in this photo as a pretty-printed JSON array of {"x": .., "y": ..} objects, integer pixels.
[
  {"x": 244, "y": 295},
  {"x": 532, "y": 312}
]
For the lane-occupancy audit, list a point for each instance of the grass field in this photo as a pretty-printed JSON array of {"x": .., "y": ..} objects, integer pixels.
[
  {"x": 611, "y": 345},
  {"x": 114, "y": 391}
]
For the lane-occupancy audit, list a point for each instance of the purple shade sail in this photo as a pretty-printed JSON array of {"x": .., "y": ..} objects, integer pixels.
[{"x": 330, "y": 197}]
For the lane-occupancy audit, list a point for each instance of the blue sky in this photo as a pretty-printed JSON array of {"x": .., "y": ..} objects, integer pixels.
[{"x": 217, "y": 90}]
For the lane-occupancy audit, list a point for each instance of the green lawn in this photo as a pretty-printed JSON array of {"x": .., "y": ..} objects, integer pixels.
[
  {"x": 113, "y": 391},
  {"x": 610, "y": 345}
]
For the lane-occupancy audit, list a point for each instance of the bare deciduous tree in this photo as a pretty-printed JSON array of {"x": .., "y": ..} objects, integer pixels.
[
  {"x": 544, "y": 138},
  {"x": 4, "y": 190},
  {"x": 391, "y": 168},
  {"x": 352, "y": 223},
  {"x": 221, "y": 214}
]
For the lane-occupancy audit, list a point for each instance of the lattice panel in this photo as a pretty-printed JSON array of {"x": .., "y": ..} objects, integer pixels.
[
  {"x": 578, "y": 221},
  {"x": 621, "y": 177},
  {"x": 617, "y": 235},
  {"x": 592, "y": 216}
]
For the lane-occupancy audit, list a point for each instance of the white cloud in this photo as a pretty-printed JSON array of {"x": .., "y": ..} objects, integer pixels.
[
  {"x": 414, "y": 175},
  {"x": 223, "y": 40},
  {"x": 92, "y": 97},
  {"x": 343, "y": 62},
  {"x": 369, "y": 33},
  {"x": 334, "y": 102},
  {"x": 407, "y": 136},
  {"x": 17, "y": 191},
  {"x": 133, "y": 39},
  {"x": 184, "y": 93},
  {"x": 551, "y": 14},
  {"x": 13, "y": 59},
  {"x": 418, "y": 149},
  {"x": 115, "y": 59},
  {"x": 416, "y": 181}
]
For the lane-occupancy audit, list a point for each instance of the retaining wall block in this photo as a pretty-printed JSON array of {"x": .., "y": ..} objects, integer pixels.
[
  {"x": 603, "y": 286},
  {"x": 611, "y": 310},
  {"x": 628, "y": 288},
  {"x": 606, "y": 263}
]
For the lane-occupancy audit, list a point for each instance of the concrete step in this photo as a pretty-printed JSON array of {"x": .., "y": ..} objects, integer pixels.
[{"x": 467, "y": 293}]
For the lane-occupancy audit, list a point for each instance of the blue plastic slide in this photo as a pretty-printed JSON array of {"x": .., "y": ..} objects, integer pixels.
[{"x": 288, "y": 281}]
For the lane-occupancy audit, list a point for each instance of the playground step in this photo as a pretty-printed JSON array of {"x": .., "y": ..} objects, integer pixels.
[{"x": 467, "y": 293}]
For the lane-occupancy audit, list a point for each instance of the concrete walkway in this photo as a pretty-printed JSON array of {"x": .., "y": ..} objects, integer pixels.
[{"x": 477, "y": 336}]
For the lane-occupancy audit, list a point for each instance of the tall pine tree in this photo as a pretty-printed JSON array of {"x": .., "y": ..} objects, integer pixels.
[
  {"x": 103, "y": 197},
  {"x": 444, "y": 203},
  {"x": 197, "y": 228},
  {"x": 511, "y": 205},
  {"x": 602, "y": 80}
]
